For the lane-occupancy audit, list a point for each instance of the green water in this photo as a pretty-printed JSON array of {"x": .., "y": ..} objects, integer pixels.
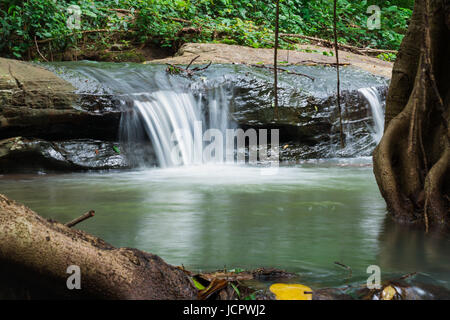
[{"x": 302, "y": 219}]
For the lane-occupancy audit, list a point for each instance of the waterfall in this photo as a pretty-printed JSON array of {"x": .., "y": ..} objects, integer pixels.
[
  {"x": 373, "y": 98},
  {"x": 175, "y": 122}
]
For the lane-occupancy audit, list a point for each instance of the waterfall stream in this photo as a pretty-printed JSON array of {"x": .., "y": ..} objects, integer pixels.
[
  {"x": 165, "y": 118},
  {"x": 373, "y": 98},
  {"x": 176, "y": 121}
]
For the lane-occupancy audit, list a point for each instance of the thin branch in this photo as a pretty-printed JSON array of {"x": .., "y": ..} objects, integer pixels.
[
  {"x": 203, "y": 68},
  {"x": 37, "y": 48},
  {"x": 336, "y": 48},
  {"x": 187, "y": 71},
  {"x": 284, "y": 70},
  {"x": 275, "y": 58},
  {"x": 192, "y": 62},
  {"x": 83, "y": 32},
  {"x": 350, "y": 272},
  {"x": 83, "y": 217},
  {"x": 330, "y": 44}
]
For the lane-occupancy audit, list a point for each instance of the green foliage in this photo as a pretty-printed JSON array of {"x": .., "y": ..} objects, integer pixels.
[
  {"x": 387, "y": 56},
  {"x": 244, "y": 22}
]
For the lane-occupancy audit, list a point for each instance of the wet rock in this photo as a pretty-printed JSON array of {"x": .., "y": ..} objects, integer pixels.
[
  {"x": 308, "y": 124},
  {"x": 34, "y": 102},
  {"x": 406, "y": 290},
  {"x": 330, "y": 294},
  {"x": 30, "y": 155}
]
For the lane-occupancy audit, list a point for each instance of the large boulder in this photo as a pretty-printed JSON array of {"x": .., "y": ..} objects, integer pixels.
[{"x": 34, "y": 102}]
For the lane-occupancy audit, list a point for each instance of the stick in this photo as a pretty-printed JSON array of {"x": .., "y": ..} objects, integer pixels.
[
  {"x": 83, "y": 32},
  {"x": 342, "y": 46},
  {"x": 192, "y": 61},
  {"x": 37, "y": 48},
  {"x": 275, "y": 56},
  {"x": 336, "y": 49},
  {"x": 188, "y": 72},
  {"x": 200, "y": 69},
  {"x": 406, "y": 276},
  {"x": 85, "y": 216},
  {"x": 281, "y": 69},
  {"x": 346, "y": 267},
  {"x": 323, "y": 63}
]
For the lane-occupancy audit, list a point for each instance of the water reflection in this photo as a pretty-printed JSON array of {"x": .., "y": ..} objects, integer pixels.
[
  {"x": 302, "y": 219},
  {"x": 411, "y": 250}
]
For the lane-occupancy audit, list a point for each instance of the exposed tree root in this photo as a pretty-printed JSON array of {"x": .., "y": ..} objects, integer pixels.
[
  {"x": 411, "y": 163},
  {"x": 39, "y": 252}
]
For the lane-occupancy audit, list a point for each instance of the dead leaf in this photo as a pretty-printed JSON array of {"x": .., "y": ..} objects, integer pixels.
[{"x": 214, "y": 286}]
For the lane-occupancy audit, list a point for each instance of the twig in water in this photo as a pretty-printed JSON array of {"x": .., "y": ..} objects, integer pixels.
[
  {"x": 85, "y": 216},
  {"x": 409, "y": 275},
  {"x": 346, "y": 267}
]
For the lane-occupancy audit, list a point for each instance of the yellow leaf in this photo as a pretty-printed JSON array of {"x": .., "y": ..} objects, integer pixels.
[
  {"x": 388, "y": 293},
  {"x": 291, "y": 291}
]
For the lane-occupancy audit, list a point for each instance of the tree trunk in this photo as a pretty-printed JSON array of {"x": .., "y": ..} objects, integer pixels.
[
  {"x": 411, "y": 163},
  {"x": 35, "y": 254}
]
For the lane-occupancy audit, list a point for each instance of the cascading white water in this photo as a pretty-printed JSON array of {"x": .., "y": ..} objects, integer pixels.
[
  {"x": 373, "y": 98},
  {"x": 175, "y": 122}
]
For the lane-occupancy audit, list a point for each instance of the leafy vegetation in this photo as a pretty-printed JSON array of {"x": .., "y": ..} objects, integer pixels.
[{"x": 244, "y": 22}]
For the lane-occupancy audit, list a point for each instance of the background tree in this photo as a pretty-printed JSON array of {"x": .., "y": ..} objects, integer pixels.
[{"x": 411, "y": 163}]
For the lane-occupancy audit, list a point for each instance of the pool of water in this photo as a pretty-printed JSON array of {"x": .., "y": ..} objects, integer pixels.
[{"x": 301, "y": 218}]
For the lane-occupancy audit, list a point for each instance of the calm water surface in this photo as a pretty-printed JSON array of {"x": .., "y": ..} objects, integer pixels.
[{"x": 302, "y": 219}]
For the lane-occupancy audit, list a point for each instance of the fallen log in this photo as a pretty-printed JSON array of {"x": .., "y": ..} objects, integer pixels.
[{"x": 36, "y": 253}]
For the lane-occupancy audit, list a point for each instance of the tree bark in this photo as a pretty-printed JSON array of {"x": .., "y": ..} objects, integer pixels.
[
  {"x": 35, "y": 254},
  {"x": 411, "y": 163}
]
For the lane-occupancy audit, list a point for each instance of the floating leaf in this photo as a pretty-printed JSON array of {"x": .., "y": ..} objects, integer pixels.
[
  {"x": 116, "y": 149},
  {"x": 291, "y": 291}
]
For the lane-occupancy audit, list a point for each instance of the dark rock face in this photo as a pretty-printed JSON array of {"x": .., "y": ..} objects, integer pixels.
[
  {"x": 36, "y": 104},
  {"x": 30, "y": 155},
  {"x": 308, "y": 124}
]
